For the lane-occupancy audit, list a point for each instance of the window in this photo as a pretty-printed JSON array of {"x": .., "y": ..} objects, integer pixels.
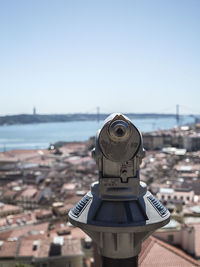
[
  {"x": 175, "y": 197},
  {"x": 88, "y": 245},
  {"x": 188, "y": 198},
  {"x": 170, "y": 238}
]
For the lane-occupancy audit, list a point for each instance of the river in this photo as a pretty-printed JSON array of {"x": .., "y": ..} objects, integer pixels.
[{"x": 35, "y": 136}]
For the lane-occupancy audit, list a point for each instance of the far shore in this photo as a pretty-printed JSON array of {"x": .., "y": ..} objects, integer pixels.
[{"x": 48, "y": 118}]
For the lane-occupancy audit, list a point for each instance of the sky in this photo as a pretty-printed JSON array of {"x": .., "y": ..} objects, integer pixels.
[{"x": 71, "y": 56}]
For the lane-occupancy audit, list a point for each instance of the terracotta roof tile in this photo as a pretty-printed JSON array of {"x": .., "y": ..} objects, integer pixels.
[
  {"x": 22, "y": 231},
  {"x": 26, "y": 248},
  {"x": 29, "y": 192},
  {"x": 8, "y": 207},
  {"x": 71, "y": 247},
  {"x": 8, "y": 249},
  {"x": 43, "y": 249},
  {"x": 160, "y": 254}
]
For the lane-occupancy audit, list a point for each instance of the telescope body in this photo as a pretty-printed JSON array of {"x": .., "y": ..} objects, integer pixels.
[{"x": 118, "y": 213}]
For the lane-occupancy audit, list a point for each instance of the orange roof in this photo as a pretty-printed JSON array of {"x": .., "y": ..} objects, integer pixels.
[
  {"x": 26, "y": 248},
  {"x": 8, "y": 207},
  {"x": 22, "y": 217},
  {"x": 29, "y": 192},
  {"x": 68, "y": 186},
  {"x": 21, "y": 231},
  {"x": 65, "y": 209},
  {"x": 158, "y": 253},
  {"x": 78, "y": 233},
  {"x": 71, "y": 247},
  {"x": 75, "y": 232},
  {"x": 43, "y": 249},
  {"x": 43, "y": 212},
  {"x": 9, "y": 194},
  {"x": 8, "y": 249},
  {"x": 3, "y": 222}
]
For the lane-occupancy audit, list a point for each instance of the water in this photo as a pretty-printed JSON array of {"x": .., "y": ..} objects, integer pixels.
[{"x": 35, "y": 136}]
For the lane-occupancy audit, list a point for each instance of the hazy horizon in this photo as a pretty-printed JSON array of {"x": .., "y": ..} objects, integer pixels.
[{"x": 102, "y": 113}]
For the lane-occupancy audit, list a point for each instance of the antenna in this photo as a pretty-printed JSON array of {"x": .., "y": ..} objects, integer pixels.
[
  {"x": 34, "y": 110},
  {"x": 98, "y": 114},
  {"x": 177, "y": 115}
]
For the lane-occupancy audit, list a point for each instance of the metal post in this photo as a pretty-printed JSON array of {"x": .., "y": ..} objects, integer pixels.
[{"x": 130, "y": 262}]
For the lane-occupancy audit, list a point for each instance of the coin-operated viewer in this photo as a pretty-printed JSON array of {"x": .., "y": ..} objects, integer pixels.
[{"x": 119, "y": 212}]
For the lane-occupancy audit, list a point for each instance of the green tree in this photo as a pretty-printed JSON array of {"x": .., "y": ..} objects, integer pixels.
[{"x": 23, "y": 265}]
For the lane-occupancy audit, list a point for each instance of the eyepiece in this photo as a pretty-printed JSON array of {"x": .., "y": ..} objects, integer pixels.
[
  {"x": 119, "y": 130},
  {"x": 119, "y": 140}
]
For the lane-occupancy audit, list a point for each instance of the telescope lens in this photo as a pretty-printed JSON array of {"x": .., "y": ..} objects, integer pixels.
[{"x": 119, "y": 130}]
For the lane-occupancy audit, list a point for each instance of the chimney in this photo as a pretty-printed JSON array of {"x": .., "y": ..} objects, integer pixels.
[
  {"x": 1, "y": 244},
  {"x": 35, "y": 245}
]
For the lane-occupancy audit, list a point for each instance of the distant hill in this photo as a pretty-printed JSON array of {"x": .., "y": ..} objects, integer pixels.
[{"x": 39, "y": 118}]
